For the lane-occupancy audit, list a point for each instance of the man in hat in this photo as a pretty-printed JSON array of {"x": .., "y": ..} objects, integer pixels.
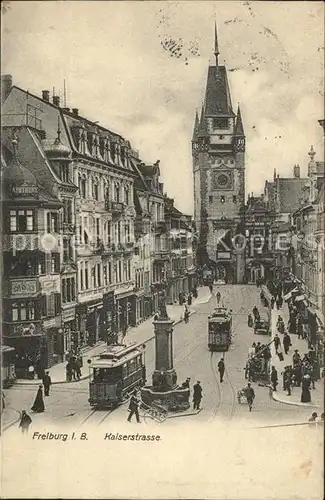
[
  {"x": 197, "y": 395},
  {"x": 133, "y": 407},
  {"x": 25, "y": 422},
  {"x": 221, "y": 369},
  {"x": 47, "y": 383}
]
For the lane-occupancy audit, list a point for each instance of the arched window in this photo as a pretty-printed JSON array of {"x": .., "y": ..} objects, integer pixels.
[
  {"x": 126, "y": 195},
  {"x": 117, "y": 192},
  {"x": 96, "y": 188},
  {"x": 82, "y": 186}
]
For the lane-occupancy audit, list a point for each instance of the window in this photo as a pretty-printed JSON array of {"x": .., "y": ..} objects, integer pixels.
[
  {"x": 127, "y": 232},
  {"x": 109, "y": 272},
  {"x": 116, "y": 274},
  {"x": 86, "y": 276},
  {"x": 117, "y": 193},
  {"x": 126, "y": 196},
  {"x": 222, "y": 199},
  {"x": 21, "y": 220},
  {"x": 55, "y": 263},
  {"x": 68, "y": 290},
  {"x": 99, "y": 279},
  {"x": 210, "y": 198},
  {"x": 64, "y": 172},
  {"x": 220, "y": 123},
  {"x": 119, "y": 271},
  {"x": 119, "y": 232},
  {"x": 67, "y": 210},
  {"x": 81, "y": 279},
  {"x": 22, "y": 311},
  {"x": 128, "y": 270},
  {"x": 93, "y": 276},
  {"x": 67, "y": 250},
  {"x": 97, "y": 227},
  {"x": 234, "y": 198},
  {"x": 95, "y": 189},
  {"x": 82, "y": 186},
  {"x": 52, "y": 222},
  {"x": 105, "y": 275}
]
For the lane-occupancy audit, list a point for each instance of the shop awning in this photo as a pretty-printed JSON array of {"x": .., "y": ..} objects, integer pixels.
[{"x": 6, "y": 348}]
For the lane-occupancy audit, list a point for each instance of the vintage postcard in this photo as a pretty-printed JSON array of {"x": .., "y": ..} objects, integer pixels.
[{"x": 162, "y": 236}]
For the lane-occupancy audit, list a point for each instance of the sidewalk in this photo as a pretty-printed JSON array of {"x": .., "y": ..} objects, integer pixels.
[
  {"x": 140, "y": 334},
  {"x": 317, "y": 394}
]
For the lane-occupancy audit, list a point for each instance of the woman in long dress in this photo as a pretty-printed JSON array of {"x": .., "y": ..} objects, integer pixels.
[
  {"x": 38, "y": 406},
  {"x": 305, "y": 393}
]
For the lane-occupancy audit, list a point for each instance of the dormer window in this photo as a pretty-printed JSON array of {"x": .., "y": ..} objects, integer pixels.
[
  {"x": 82, "y": 186},
  {"x": 90, "y": 143},
  {"x": 102, "y": 148},
  {"x": 126, "y": 195},
  {"x": 123, "y": 155},
  {"x": 64, "y": 172},
  {"x": 113, "y": 150}
]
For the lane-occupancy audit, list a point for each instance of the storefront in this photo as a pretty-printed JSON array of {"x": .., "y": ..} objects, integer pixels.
[
  {"x": 107, "y": 327},
  {"x": 68, "y": 327},
  {"x": 125, "y": 310},
  {"x": 87, "y": 322}
]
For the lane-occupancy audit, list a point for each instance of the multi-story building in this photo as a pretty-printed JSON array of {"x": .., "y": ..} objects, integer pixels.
[
  {"x": 105, "y": 216},
  {"x": 43, "y": 149},
  {"x": 180, "y": 271},
  {"x": 31, "y": 264},
  {"x": 150, "y": 228},
  {"x": 218, "y": 151},
  {"x": 282, "y": 196},
  {"x": 258, "y": 250}
]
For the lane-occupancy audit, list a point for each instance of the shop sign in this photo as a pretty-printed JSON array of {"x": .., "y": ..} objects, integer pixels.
[
  {"x": 223, "y": 255},
  {"x": 50, "y": 285},
  {"x": 23, "y": 287}
]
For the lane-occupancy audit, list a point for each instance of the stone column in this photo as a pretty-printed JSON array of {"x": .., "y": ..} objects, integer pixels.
[{"x": 164, "y": 367}]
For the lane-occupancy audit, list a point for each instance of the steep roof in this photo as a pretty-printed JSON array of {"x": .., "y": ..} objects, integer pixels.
[
  {"x": 196, "y": 126},
  {"x": 239, "y": 129},
  {"x": 202, "y": 128},
  {"x": 217, "y": 94},
  {"x": 289, "y": 191}
]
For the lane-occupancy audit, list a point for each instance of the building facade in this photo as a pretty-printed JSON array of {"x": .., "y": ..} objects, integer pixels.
[{"x": 218, "y": 152}]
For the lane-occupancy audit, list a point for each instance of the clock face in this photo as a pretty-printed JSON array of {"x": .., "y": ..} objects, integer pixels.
[{"x": 222, "y": 181}]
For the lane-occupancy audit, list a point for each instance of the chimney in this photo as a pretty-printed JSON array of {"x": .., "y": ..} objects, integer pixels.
[
  {"x": 296, "y": 171},
  {"x": 6, "y": 84},
  {"x": 56, "y": 100},
  {"x": 46, "y": 95},
  {"x": 67, "y": 110},
  {"x": 75, "y": 111}
]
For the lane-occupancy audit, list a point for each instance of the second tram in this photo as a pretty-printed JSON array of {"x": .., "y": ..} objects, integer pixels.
[{"x": 219, "y": 329}]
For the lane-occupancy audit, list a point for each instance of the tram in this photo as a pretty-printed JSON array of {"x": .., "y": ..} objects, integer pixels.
[
  {"x": 219, "y": 329},
  {"x": 115, "y": 373}
]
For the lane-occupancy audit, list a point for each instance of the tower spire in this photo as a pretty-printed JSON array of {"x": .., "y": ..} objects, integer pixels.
[
  {"x": 216, "y": 46},
  {"x": 239, "y": 129},
  {"x": 196, "y": 126},
  {"x": 58, "y": 139}
]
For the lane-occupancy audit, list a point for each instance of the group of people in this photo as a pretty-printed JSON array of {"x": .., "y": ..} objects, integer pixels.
[
  {"x": 184, "y": 298},
  {"x": 258, "y": 361},
  {"x": 73, "y": 367},
  {"x": 38, "y": 405}
]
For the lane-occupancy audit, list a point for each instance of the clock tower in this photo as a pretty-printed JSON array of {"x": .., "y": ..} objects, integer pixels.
[{"x": 218, "y": 151}]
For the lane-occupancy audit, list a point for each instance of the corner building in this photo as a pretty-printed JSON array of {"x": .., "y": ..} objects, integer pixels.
[{"x": 218, "y": 152}]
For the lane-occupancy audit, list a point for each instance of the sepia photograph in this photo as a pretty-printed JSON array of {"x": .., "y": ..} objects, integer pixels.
[{"x": 162, "y": 250}]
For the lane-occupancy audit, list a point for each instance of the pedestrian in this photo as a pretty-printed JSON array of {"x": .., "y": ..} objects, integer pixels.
[
  {"x": 68, "y": 371},
  {"x": 250, "y": 395},
  {"x": 78, "y": 368},
  {"x": 25, "y": 422},
  {"x": 197, "y": 395},
  {"x": 256, "y": 314},
  {"x": 31, "y": 372},
  {"x": 286, "y": 342},
  {"x": 133, "y": 407},
  {"x": 277, "y": 342},
  {"x": 186, "y": 384},
  {"x": 313, "y": 417},
  {"x": 250, "y": 320},
  {"x": 47, "y": 382},
  {"x": 287, "y": 383},
  {"x": 189, "y": 299},
  {"x": 221, "y": 369},
  {"x": 297, "y": 374},
  {"x": 180, "y": 298},
  {"x": 305, "y": 390},
  {"x": 211, "y": 288},
  {"x": 296, "y": 357},
  {"x": 272, "y": 302},
  {"x": 274, "y": 378},
  {"x": 218, "y": 297},
  {"x": 3, "y": 401},
  {"x": 38, "y": 406},
  {"x": 186, "y": 316}
]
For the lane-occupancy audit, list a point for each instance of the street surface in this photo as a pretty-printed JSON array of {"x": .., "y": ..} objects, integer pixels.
[{"x": 68, "y": 403}]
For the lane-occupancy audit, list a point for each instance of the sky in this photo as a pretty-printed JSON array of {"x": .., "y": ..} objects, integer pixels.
[{"x": 140, "y": 68}]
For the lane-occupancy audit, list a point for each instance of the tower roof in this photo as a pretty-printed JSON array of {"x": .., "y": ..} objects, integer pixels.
[
  {"x": 216, "y": 46},
  {"x": 196, "y": 126},
  {"x": 202, "y": 131},
  {"x": 58, "y": 149},
  {"x": 16, "y": 173},
  {"x": 217, "y": 94},
  {"x": 239, "y": 129}
]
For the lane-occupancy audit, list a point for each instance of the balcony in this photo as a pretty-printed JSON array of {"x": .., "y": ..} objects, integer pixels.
[
  {"x": 161, "y": 255},
  {"x": 68, "y": 228}
]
